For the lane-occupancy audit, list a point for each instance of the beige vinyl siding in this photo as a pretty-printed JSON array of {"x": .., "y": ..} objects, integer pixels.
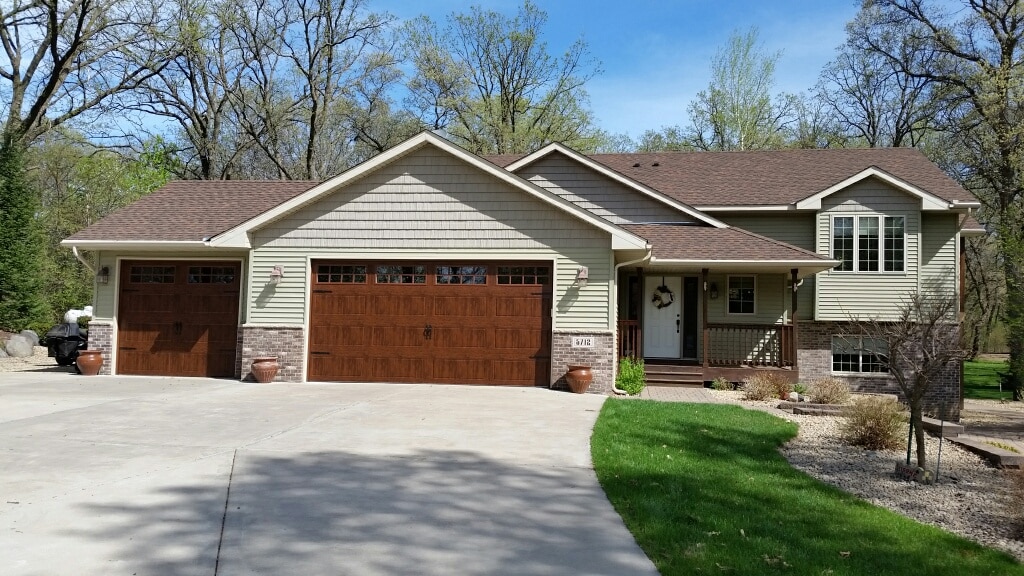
[
  {"x": 105, "y": 299},
  {"x": 877, "y": 295},
  {"x": 770, "y": 305},
  {"x": 598, "y": 193},
  {"x": 938, "y": 255},
  {"x": 789, "y": 227},
  {"x": 428, "y": 206}
]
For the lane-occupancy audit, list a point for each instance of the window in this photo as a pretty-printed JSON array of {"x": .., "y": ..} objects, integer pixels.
[
  {"x": 741, "y": 294},
  {"x": 333, "y": 274},
  {"x": 151, "y": 275},
  {"x": 869, "y": 243},
  {"x": 394, "y": 274},
  {"x": 461, "y": 275},
  {"x": 211, "y": 274},
  {"x": 859, "y": 354},
  {"x": 523, "y": 275}
]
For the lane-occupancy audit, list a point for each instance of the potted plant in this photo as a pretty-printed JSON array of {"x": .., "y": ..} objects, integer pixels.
[{"x": 579, "y": 378}]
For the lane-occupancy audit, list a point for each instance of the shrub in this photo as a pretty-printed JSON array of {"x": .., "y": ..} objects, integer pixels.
[
  {"x": 721, "y": 384},
  {"x": 631, "y": 376},
  {"x": 875, "y": 423},
  {"x": 83, "y": 322},
  {"x": 829, "y": 391},
  {"x": 767, "y": 386},
  {"x": 800, "y": 388}
]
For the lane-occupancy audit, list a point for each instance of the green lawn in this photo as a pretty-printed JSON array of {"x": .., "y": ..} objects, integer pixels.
[
  {"x": 981, "y": 380},
  {"x": 704, "y": 491}
]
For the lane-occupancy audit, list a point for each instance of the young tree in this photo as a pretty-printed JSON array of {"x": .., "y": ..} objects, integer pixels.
[
  {"x": 737, "y": 111},
  {"x": 923, "y": 345},
  {"x": 488, "y": 81},
  {"x": 979, "y": 75}
]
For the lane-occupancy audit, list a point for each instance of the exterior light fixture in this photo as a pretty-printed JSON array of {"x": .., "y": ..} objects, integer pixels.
[
  {"x": 713, "y": 292},
  {"x": 582, "y": 275},
  {"x": 276, "y": 273},
  {"x": 103, "y": 276}
]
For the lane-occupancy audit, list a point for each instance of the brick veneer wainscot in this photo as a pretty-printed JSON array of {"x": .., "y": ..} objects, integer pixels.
[
  {"x": 814, "y": 357},
  {"x": 285, "y": 342},
  {"x": 101, "y": 337},
  {"x": 600, "y": 358}
]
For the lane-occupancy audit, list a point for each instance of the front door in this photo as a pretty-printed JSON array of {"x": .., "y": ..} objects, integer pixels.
[{"x": 662, "y": 316}]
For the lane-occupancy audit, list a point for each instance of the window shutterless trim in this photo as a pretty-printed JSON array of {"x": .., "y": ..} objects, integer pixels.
[
  {"x": 880, "y": 248},
  {"x": 728, "y": 297}
]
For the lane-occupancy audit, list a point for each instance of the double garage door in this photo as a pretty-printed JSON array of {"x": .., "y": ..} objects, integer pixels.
[
  {"x": 178, "y": 318},
  {"x": 436, "y": 322}
]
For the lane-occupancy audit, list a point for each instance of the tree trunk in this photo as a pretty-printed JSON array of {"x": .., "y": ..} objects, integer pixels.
[
  {"x": 1014, "y": 315},
  {"x": 915, "y": 420}
]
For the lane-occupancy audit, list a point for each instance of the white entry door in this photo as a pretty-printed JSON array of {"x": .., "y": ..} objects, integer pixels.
[{"x": 663, "y": 303}]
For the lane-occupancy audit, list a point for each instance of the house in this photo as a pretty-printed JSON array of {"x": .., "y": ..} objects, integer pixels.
[{"x": 430, "y": 264}]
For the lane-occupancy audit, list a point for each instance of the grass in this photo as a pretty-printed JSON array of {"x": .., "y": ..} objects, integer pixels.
[
  {"x": 704, "y": 490},
  {"x": 981, "y": 380}
]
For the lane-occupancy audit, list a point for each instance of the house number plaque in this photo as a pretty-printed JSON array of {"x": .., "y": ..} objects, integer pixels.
[{"x": 582, "y": 341}]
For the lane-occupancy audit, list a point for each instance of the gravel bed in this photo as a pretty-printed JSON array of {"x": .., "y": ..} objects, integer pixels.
[
  {"x": 37, "y": 361},
  {"x": 971, "y": 497}
]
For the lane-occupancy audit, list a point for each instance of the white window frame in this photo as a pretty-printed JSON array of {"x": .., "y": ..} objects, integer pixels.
[
  {"x": 856, "y": 216},
  {"x": 859, "y": 347},
  {"x": 728, "y": 281}
]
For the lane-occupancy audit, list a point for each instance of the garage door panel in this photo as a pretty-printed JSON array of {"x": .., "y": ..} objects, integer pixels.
[
  {"x": 450, "y": 327},
  {"x": 337, "y": 303},
  {"x": 178, "y": 318}
]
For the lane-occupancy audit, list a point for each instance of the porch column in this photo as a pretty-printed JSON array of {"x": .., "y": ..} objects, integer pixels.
[
  {"x": 704, "y": 315},
  {"x": 793, "y": 344}
]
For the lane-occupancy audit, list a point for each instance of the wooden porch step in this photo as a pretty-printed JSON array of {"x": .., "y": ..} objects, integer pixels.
[{"x": 672, "y": 375}]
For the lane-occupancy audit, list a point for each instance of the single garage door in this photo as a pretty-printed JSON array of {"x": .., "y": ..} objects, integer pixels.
[
  {"x": 433, "y": 322},
  {"x": 178, "y": 318}
]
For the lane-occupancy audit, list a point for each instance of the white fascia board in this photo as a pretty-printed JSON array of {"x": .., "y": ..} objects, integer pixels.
[
  {"x": 929, "y": 202},
  {"x": 142, "y": 245},
  {"x": 239, "y": 235},
  {"x": 973, "y": 232},
  {"x": 805, "y": 266},
  {"x": 618, "y": 177},
  {"x": 752, "y": 208}
]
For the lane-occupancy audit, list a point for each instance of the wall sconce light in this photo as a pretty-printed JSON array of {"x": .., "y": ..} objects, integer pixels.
[
  {"x": 103, "y": 276},
  {"x": 582, "y": 275},
  {"x": 713, "y": 291},
  {"x": 276, "y": 273}
]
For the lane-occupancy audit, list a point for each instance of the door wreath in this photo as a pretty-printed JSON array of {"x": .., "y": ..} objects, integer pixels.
[{"x": 662, "y": 297}]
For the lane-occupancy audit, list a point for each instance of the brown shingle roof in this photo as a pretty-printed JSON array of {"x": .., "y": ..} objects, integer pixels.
[
  {"x": 770, "y": 177},
  {"x": 193, "y": 210},
  {"x": 701, "y": 243}
]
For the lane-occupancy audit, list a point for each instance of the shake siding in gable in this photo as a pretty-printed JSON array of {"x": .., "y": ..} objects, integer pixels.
[
  {"x": 878, "y": 295},
  {"x": 792, "y": 228},
  {"x": 431, "y": 206},
  {"x": 597, "y": 193},
  {"x": 938, "y": 255}
]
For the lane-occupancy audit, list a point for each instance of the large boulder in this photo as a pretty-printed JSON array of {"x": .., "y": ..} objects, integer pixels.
[
  {"x": 19, "y": 347},
  {"x": 3, "y": 353},
  {"x": 32, "y": 336}
]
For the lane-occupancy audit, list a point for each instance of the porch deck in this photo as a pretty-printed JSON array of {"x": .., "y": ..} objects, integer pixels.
[{"x": 731, "y": 351}]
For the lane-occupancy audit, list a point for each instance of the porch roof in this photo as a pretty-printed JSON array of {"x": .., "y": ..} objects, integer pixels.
[{"x": 725, "y": 249}]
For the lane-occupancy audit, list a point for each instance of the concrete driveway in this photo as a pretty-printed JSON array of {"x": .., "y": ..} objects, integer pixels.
[{"x": 173, "y": 476}]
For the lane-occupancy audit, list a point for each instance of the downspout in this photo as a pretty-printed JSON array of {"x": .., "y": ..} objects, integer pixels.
[
  {"x": 78, "y": 255},
  {"x": 615, "y": 301}
]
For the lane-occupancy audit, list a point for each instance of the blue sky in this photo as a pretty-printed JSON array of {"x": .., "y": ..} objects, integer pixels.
[{"x": 656, "y": 55}]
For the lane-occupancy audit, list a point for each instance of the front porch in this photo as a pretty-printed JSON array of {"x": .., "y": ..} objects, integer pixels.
[{"x": 693, "y": 327}]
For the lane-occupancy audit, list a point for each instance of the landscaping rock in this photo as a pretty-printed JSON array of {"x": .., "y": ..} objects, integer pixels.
[
  {"x": 3, "y": 353},
  {"x": 948, "y": 429},
  {"x": 32, "y": 336},
  {"x": 794, "y": 397},
  {"x": 19, "y": 347}
]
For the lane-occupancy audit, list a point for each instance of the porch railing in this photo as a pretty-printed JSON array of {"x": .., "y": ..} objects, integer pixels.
[
  {"x": 757, "y": 345},
  {"x": 630, "y": 339}
]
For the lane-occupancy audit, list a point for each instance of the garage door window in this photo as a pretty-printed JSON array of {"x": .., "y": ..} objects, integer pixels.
[
  {"x": 151, "y": 275},
  {"x": 538, "y": 275},
  {"x": 394, "y": 274},
  {"x": 211, "y": 274},
  {"x": 476, "y": 275},
  {"x": 326, "y": 274}
]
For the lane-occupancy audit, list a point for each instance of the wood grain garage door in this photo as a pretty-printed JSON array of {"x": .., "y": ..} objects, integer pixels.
[
  {"x": 452, "y": 323},
  {"x": 178, "y": 318}
]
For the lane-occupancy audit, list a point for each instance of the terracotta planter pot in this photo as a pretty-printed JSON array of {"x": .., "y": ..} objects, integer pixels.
[
  {"x": 579, "y": 378},
  {"x": 264, "y": 368},
  {"x": 89, "y": 362}
]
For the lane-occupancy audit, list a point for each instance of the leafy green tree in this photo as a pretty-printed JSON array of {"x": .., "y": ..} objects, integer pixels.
[
  {"x": 738, "y": 111},
  {"x": 21, "y": 298},
  {"x": 489, "y": 82}
]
